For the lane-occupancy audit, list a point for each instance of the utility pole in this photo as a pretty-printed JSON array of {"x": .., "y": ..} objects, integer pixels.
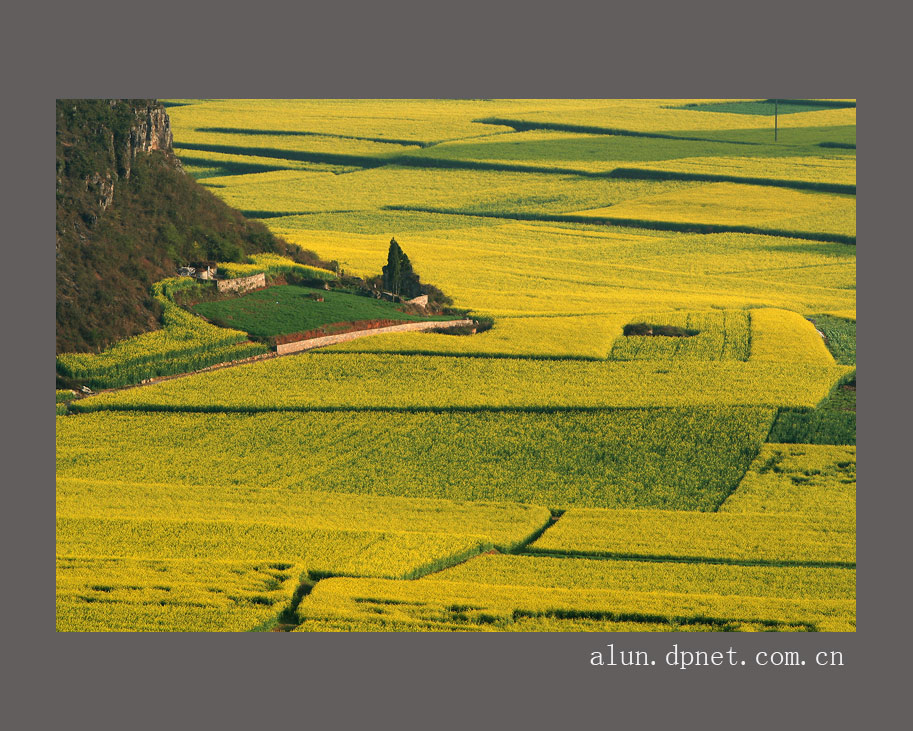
[{"x": 775, "y": 120}]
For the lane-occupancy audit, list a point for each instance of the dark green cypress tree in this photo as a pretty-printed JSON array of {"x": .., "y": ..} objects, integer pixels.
[
  {"x": 393, "y": 272},
  {"x": 399, "y": 277},
  {"x": 409, "y": 285}
]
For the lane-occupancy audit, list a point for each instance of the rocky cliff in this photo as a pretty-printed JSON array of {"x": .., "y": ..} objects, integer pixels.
[
  {"x": 127, "y": 215},
  {"x": 97, "y": 142}
]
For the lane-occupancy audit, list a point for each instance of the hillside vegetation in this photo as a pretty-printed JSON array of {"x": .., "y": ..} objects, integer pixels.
[{"x": 128, "y": 216}]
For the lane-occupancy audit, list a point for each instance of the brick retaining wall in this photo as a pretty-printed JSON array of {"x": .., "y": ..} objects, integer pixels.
[{"x": 299, "y": 345}]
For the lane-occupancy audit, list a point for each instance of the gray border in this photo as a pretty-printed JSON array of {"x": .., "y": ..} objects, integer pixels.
[{"x": 430, "y": 681}]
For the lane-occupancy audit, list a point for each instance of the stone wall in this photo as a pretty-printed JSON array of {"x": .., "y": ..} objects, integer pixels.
[
  {"x": 241, "y": 284},
  {"x": 299, "y": 345}
]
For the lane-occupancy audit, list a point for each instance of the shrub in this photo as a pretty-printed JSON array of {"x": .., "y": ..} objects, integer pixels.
[{"x": 669, "y": 331}]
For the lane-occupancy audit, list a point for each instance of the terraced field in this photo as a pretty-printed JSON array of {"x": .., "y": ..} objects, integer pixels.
[
  {"x": 679, "y": 458},
  {"x": 549, "y": 474},
  {"x": 287, "y": 310}
]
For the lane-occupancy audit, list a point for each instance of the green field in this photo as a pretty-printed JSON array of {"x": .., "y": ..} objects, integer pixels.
[
  {"x": 289, "y": 309},
  {"x": 770, "y": 106},
  {"x": 833, "y": 421},
  {"x": 548, "y": 474},
  {"x": 841, "y": 336}
]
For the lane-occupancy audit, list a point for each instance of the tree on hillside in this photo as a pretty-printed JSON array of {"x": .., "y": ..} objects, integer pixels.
[{"x": 399, "y": 278}]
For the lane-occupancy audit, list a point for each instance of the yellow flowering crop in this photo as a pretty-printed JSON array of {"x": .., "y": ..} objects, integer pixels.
[
  {"x": 452, "y": 605},
  {"x": 840, "y": 169},
  {"x": 387, "y": 471},
  {"x": 171, "y": 496},
  {"x": 779, "y": 335},
  {"x": 171, "y": 595},
  {"x": 560, "y": 572},
  {"x": 382, "y": 381},
  {"x": 272, "y": 264},
  {"x": 521, "y": 268},
  {"x": 739, "y": 205},
  {"x": 787, "y": 538},
  {"x": 718, "y": 335},
  {"x": 672, "y": 458},
  {"x": 184, "y": 343},
  {"x": 811, "y": 479}
]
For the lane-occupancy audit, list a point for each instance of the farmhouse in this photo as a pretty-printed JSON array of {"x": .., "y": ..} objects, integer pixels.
[{"x": 200, "y": 270}]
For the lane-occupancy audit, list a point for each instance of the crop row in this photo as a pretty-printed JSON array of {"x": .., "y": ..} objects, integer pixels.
[
  {"x": 273, "y": 264},
  {"x": 722, "y": 335},
  {"x": 832, "y": 421},
  {"x": 552, "y": 572},
  {"x": 598, "y": 154},
  {"x": 175, "y": 595},
  {"x": 609, "y": 216},
  {"x": 741, "y": 206},
  {"x": 505, "y": 525},
  {"x": 145, "y": 558},
  {"x": 421, "y": 122},
  {"x": 837, "y": 170},
  {"x": 355, "y": 552},
  {"x": 403, "y": 121},
  {"x": 807, "y": 479},
  {"x": 518, "y": 623},
  {"x": 719, "y": 335},
  {"x": 184, "y": 343},
  {"x": 462, "y": 190},
  {"x": 88, "y": 614},
  {"x": 182, "y": 575},
  {"x": 453, "y": 605},
  {"x": 208, "y": 164},
  {"x": 584, "y": 337},
  {"x": 731, "y": 537},
  {"x": 225, "y": 152},
  {"x": 778, "y": 335},
  {"x": 380, "y": 381},
  {"x": 683, "y": 458},
  {"x": 818, "y": 426},
  {"x": 520, "y": 268},
  {"x": 662, "y": 119},
  {"x": 287, "y": 140}
]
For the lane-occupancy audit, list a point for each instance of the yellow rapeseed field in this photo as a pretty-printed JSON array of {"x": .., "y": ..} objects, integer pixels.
[
  {"x": 778, "y": 335},
  {"x": 388, "y": 381},
  {"x": 562, "y": 572},
  {"x": 452, "y": 605},
  {"x": 759, "y": 537},
  {"x": 811, "y": 479},
  {"x": 624, "y": 480},
  {"x": 744, "y": 206}
]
